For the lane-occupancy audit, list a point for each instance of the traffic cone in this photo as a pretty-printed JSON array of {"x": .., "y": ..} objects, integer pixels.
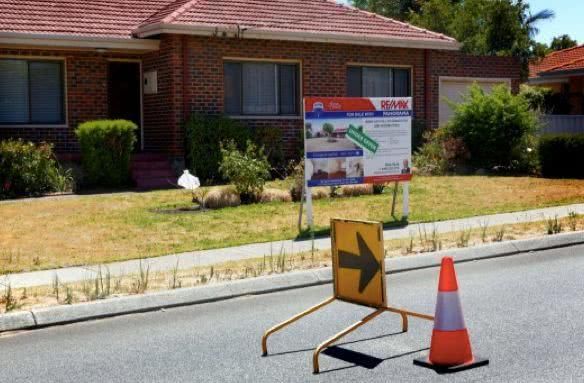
[{"x": 450, "y": 349}]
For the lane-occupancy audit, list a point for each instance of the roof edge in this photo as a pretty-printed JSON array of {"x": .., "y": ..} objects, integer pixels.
[
  {"x": 321, "y": 37},
  {"x": 77, "y": 41}
]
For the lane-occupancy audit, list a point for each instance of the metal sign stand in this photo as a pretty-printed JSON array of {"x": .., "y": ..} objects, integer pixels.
[
  {"x": 350, "y": 296},
  {"x": 327, "y": 343},
  {"x": 306, "y": 200}
]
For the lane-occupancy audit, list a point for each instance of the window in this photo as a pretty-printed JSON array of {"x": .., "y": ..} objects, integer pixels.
[
  {"x": 378, "y": 82},
  {"x": 258, "y": 88},
  {"x": 31, "y": 92}
]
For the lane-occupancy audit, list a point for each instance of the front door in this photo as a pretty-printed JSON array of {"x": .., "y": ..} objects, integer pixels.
[{"x": 124, "y": 101}]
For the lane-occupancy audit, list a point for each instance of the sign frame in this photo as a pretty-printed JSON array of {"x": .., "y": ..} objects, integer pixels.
[
  {"x": 353, "y": 109},
  {"x": 379, "y": 274}
]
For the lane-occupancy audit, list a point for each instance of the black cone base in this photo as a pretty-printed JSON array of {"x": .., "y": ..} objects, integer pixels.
[{"x": 476, "y": 362}]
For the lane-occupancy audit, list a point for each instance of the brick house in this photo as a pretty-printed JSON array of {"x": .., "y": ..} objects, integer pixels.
[
  {"x": 158, "y": 61},
  {"x": 562, "y": 72}
]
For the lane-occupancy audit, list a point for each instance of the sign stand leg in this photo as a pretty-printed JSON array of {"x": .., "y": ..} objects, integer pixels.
[
  {"x": 302, "y": 201},
  {"x": 394, "y": 200},
  {"x": 309, "y": 218},
  {"x": 406, "y": 200}
]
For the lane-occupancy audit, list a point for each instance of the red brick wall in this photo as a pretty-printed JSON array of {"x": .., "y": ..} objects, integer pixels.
[
  {"x": 86, "y": 83},
  {"x": 323, "y": 72},
  {"x": 455, "y": 64},
  {"x": 163, "y": 112},
  {"x": 193, "y": 67}
]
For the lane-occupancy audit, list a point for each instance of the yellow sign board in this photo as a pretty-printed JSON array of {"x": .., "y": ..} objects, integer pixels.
[{"x": 358, "y": 262}]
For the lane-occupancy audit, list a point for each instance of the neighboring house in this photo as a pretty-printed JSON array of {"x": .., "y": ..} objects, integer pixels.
[
  {"x": 156, "y": 62},
  {"x": 563, "y": 72}
]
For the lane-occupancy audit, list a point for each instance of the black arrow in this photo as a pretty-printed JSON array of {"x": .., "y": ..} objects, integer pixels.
[{"x": 364, "y": 261}]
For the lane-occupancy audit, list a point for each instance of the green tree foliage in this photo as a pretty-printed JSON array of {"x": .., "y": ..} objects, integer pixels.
[
  {"x": 562, "y": 42},
  {"x": 396, "y": 9},
  {"x": 484, "y": 27}
]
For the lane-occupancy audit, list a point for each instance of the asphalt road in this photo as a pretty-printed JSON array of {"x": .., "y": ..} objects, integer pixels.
[{"x": 525, "y": 313}]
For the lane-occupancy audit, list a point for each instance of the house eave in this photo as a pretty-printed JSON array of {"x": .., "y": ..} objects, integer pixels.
[
  {"x": 321, "y": 37},
  {"x": 77, "y": 42}
]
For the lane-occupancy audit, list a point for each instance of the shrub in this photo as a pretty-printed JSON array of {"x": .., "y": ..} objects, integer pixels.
[
  {"x": 493, "y": 127},
  {"x": 219, "y": 198},
  {"x": 270, "y": 138},
  {"x": 275, "y": 195},
  {"x": 561, "y": 156},
  {"x": 106, "y": 147},
  {"x": 203, "y": 137},
  {"x": 297, "y": 181},
  {"x": 440, "y": 154},
  {"x": 27, "y": 169},
  {"x": 248, "y": 170}
]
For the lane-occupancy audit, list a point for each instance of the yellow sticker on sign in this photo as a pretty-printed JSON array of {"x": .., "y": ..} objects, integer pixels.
[{"x": 358, "y": 262}]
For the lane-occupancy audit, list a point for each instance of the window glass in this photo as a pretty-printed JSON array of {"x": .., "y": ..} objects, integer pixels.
[
  {"x": 378, "y": 82},
  {"x": 31, "y": 92},
  {"x": 45, "y": 92},
  {"x": 354, "y": 86},
  {"x": 401, "y": 83},
  {"x": 256, "y": 88},
  {"x": 288, "y": 91},
  {"x": 14, "y": 103},
  {"x": 259, "y": 89},
  {"x": 232, "y": 88}
]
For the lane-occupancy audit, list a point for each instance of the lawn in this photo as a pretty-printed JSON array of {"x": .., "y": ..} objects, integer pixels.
[{"x": 48, "y": 233}]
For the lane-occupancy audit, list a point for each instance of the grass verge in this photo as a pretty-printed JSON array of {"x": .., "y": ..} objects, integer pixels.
[
  {"x": 104, "y": 285},
  {"x": 89, "y": 230}
]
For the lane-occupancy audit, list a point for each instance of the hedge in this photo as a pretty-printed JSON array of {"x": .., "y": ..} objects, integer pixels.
[
  {"x": 562, "y": 156},
  {"x": 106, "y": 148}
]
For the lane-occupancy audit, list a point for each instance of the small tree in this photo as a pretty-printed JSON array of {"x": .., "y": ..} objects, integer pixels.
[
  {"x": 328, "y": 128},
  {"x": 248, "y": 171}
]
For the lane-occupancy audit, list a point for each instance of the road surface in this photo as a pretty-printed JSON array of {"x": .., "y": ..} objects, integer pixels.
[{"x": 525, "y": 313}]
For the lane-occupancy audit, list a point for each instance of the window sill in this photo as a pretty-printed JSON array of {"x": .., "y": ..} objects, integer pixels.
[
  {"x": 32, "y": 126},
  {"x": 264, "y": 117}
]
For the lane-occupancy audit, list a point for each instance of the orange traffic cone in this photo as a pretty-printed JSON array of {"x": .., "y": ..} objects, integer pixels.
[{"x": 450, "y": 349}]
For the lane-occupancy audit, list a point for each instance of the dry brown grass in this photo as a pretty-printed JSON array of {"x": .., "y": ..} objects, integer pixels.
[
  {"x": 275, "y": 195},
  {"x": 67, "y": 231},
  {"x": 356, "y": 190},
  {"x": 219, "y": 198},
  {"x": 320, "y": 193},
  {"x": 272, "y": 264}
]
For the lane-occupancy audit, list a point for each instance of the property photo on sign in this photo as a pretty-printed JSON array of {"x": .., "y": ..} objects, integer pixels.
[{"x": 357, "y": 140}]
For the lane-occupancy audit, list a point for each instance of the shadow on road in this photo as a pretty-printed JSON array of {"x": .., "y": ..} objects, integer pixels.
[
  {"x": 359, "y": 359},
  {"x": 338, "y": 344}
]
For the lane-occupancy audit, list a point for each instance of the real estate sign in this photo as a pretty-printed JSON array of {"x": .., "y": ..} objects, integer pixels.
[{"x": 357, "y": 140}]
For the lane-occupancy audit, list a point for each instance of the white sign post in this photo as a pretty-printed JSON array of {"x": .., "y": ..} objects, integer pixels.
[{"x": 349, "y": 141}]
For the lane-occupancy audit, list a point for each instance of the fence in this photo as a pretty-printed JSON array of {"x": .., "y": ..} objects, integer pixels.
[{"x": 558, "y": 124}]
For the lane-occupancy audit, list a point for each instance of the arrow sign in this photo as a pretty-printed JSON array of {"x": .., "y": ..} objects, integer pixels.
[{"x": 364, "y": 261}]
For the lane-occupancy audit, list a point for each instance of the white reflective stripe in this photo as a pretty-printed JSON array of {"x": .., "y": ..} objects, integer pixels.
[{"x": 448, "y": 312}]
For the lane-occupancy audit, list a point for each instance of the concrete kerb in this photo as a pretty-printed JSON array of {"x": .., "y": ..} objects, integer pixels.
[{"x": 50, "y": 316}]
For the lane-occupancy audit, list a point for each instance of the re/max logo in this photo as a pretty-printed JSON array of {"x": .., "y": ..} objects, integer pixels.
[{"x": 395, "y": 104}]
